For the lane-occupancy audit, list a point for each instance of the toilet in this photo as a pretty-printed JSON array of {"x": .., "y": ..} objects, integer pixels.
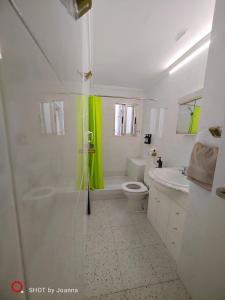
[{"x": 136, "y": 190}]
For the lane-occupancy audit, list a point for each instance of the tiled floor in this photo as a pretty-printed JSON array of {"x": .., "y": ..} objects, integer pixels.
[{"x": 125, "y": 258}]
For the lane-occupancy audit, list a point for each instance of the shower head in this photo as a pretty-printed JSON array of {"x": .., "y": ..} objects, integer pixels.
[
  {"x": 191, "y": 112},
  {"x": 77, "y": 8}
]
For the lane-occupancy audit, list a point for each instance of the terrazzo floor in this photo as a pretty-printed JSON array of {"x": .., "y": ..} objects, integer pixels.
[{"x": 125, "y": 257}]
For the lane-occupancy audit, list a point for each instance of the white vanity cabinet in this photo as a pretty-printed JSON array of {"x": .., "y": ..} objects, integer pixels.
[
  {"x": 164, "y": 206},
  {"x": 175, "y": 230},
  {"x": 153, "y": 205},
  {"x": 167, "y": 217},
  {"x": 159, "y": 207}
]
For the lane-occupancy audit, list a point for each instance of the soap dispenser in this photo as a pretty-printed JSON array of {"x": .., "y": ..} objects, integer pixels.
[
  {"x": 147, "y": 138},
  {"x": 159, "y": 162}
]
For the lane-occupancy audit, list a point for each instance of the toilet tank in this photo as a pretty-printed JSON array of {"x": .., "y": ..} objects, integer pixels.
[{"x": 136, "y": 169}]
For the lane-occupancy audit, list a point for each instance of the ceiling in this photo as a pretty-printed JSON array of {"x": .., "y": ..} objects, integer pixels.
[
  {"x": 133, "y": 41},
  {"x": 58, "y": 35}
]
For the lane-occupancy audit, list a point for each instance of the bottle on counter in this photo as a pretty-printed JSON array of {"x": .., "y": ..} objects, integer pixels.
[
  {"x": 153, "y": 157},
  {"x": 159, "y": 162}
]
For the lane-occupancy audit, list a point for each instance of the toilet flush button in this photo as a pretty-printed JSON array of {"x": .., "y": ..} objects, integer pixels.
[{"x": 220, "y": 192}]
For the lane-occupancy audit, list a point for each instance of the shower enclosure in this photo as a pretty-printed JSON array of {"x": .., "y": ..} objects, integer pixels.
[{"x": 43, "y": 132}]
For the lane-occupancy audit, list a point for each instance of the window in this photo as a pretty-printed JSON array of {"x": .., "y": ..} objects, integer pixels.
[
  {"x": 125, "y": 120},
  {"x": 52, "y": 117}
]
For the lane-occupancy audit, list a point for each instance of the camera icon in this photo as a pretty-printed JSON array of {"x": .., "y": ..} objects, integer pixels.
[{"x": 17, "y": 286}]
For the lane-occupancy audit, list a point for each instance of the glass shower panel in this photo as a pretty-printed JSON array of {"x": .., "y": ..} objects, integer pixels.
[
  {"x": 52, "y": 117},
  {"x": 11, "y": 264},
  {"x": 50, "y": 170}
]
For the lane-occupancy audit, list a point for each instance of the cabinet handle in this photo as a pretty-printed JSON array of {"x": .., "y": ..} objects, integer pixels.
[
  {"x": 177, "y": 213},
  {"x": 175, "y": 228}
]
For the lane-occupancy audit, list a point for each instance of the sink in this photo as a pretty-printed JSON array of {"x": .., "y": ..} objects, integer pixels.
[{"x": 170, "y": 177}]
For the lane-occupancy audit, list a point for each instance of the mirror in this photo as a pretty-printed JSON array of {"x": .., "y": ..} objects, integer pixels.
[{"x": 189, "y": 114}]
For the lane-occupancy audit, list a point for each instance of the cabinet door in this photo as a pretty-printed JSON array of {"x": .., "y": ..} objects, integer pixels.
[
  {"x": 152, "y": 205},
  {"x": 177, "y": 219},
  {"x": 173, "y": 244},
  {"x": 175, "y": 230},
  {"x": 164, "y": 207}
]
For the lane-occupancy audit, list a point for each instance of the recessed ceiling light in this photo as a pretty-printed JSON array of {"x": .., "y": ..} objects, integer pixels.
[
  {"x": 190, "y": 57},
  {"x": 187, "y": 47}
]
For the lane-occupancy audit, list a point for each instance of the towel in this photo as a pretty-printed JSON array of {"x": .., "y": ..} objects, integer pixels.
[{"x": 202, "y": 165}]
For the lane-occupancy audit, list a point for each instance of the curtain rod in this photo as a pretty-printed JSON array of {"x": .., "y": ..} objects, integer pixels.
[
  {"x": 128, "y": 98},
  {"x": 104, "y": 96}
]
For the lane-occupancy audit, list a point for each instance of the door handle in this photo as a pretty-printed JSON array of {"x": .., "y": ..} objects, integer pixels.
[{"x": 220, "y": 192}]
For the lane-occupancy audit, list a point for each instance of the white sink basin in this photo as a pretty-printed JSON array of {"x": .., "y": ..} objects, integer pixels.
[{"x": 170, "y": 177}]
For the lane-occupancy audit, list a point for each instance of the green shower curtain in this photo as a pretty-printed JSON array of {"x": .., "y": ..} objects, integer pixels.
[
  {"x": 95, "y": 159},
  {"x": 193, "y": 129}
]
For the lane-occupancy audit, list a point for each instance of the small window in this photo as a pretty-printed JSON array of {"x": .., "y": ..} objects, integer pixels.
[
  {"x": 52, "y": 117},
  {"x": 125, "y": 120}
]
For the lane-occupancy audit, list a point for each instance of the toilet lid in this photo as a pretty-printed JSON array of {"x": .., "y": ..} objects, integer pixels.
[{"x": 134, "y": 187}]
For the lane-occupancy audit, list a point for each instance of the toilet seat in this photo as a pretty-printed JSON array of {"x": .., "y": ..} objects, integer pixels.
[{"x": 134, "y": 187}]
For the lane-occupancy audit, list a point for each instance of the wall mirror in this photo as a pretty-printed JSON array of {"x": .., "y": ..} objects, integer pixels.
[{"x": 189, "y": 113}]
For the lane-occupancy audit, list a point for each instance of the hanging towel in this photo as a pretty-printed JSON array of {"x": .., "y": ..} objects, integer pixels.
[{"x": 202, "y": 165}]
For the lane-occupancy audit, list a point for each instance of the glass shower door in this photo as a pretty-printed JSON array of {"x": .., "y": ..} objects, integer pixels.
[{"x": 44, "y": 104}]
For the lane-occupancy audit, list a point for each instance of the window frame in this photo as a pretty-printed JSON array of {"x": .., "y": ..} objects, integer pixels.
[
  {"x": 123, "y": 125},
  {"x": 52, "y": 117}
]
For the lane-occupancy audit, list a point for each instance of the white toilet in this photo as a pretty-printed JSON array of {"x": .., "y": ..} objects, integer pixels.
[{"x": 135, "y": 190}]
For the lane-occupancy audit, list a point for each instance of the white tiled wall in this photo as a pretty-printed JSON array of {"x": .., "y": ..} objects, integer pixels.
[
  {"x": 116, "y": 149},
  {"x": 175, "y": 148}
]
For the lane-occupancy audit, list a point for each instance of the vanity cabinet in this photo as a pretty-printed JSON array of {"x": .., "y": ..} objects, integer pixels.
[
  {"x": 153, "y": 206},
  {"x": 158, "y": 211},
  {"x": 167, "y": 217},
  {"x": 175, "y": 230},
  {"x": 164, "y": 205},
  {"x": 177, "y": 218}
]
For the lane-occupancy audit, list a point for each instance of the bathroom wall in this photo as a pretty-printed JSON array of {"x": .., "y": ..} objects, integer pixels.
[
  {"x": 116, "y": 149},
  {"x": 202, "y": 262},
  {"x": 175, "y": 148}
]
